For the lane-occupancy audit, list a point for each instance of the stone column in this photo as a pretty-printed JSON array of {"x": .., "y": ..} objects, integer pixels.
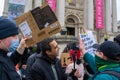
[
  {"x": 28, "y": 5},
  {"x": 114, "y": 16},
  {"x": 107, "y": 16},
  {"x": 5, "y": 10},
  {"x": 38, "y": 3},
  {"x": 60, "y": 11},
  {"x": 89, "y": 14}
]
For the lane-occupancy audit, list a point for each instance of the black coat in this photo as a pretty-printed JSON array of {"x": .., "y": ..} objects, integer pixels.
[
  {"x": 29, "y": 64},
  {"x": 41, "y": 69},
  {"x": 7, "y": 66}
]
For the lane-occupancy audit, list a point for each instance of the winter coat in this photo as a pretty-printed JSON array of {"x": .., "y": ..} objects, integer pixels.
[
  {"x": 42, "y": 70},
  {"x": 29, "y": 64},
  {"x": 7, "y": 66},
  {"x": 90, "y": 59}
]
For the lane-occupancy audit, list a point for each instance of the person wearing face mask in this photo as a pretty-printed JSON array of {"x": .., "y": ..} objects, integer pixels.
[
  {"x": 8, "y": 42},
  {"x": 14, "y": 45},
  {"x": 105, "y": 64},
  {"x": 47, "y": 66}
]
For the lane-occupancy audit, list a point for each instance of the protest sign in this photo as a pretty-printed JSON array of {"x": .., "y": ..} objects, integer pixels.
[
  {"x": 89, "y": 40},
  {"x": 38, "y": 24},
  {"x": 65, "y": 59}
]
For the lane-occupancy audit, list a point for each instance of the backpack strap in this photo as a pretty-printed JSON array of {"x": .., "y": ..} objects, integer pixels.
[{"x": 116, "y": 74}]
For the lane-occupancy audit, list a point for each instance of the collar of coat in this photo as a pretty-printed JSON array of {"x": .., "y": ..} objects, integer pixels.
[
  {"x": 2, "y": 52},
  {"x": 47, "y": 59}
]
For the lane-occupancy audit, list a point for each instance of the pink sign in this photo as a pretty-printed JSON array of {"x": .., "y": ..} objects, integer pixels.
[
  {"x": 99, "y": 14},
  {"x": 52, "y": 4}
]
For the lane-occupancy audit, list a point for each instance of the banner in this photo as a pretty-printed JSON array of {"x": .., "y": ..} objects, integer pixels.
[
  {"x": 52, "y": 4},
  {"x": 99, "y": 14},
  {"x": 89, "y": 40},
  {"x": 16, "y": 8},
  {"x": 20, "y": 2}
]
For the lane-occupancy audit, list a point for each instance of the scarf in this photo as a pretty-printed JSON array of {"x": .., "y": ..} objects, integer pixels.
[{"x": 104, "y": 64}]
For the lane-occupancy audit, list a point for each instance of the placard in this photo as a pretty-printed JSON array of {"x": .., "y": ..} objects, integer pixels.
[
  {"x": 38, "y": 24},
  {"x": 89, "y": 40},
  {"x": 65, "y": 59}
]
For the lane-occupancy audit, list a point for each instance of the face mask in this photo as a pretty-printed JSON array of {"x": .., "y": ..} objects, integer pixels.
[{"x": 13, "y": 46}]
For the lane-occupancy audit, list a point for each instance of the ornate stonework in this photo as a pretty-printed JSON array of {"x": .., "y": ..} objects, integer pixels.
[{"x": 76, "y": 13}]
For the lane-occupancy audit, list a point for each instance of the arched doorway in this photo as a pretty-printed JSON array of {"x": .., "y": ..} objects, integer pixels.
[
  {"x": 72, "y": 25},
  {"x": 70, "y": 29}
]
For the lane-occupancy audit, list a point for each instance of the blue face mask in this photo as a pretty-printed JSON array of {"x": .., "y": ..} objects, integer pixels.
[{"x": 13, "y": 46}]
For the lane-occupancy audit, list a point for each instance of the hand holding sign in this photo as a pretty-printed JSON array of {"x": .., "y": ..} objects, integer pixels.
[
  {"x": 82, "y": 47},
  {"x": 88, "y": 39}
]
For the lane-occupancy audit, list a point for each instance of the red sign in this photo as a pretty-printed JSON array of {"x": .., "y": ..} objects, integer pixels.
[
  {"x": 99, "y": 14},
  {"x": 52, "y": 4}
]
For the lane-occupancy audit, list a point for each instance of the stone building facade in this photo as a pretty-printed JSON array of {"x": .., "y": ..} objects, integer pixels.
[{"x": 75, "y": 14}]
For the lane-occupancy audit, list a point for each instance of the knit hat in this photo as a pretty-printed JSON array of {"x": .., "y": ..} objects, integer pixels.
[
  {"x": 110, "y": 49},
  {"x": 117, "y": 39},
  {"x": 7, "y": 28}
]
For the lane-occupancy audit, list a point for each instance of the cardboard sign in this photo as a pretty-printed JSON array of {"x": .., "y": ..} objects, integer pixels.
[
  {"x": 65, "y": 59},
  {"x": 89, "y": 40},
  {"x": 38, "y": 24}
]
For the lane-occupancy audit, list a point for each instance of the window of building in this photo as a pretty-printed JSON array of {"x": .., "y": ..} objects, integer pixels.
[
  {"x": 70, "y": 20},
  {"x": 70, "y": 31},
  {"x": 71, "y": 2},
  {"x": 70, "y": 28},
  {"x": 118, "y": 28}
]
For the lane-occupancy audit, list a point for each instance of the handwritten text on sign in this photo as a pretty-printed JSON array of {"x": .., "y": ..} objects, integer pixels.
[{"x": 88, "y": 40}]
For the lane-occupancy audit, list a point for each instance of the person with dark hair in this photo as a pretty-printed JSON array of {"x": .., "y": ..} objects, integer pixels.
[
  {"x": 47, "y": 66},
  {"x": 22, "y": 63},
  {"x": 105, "y": 64},
  {"x": 117, "y": 39},
  {"x": 30, "y": 61},
  {"x": 8, "y": 39}
]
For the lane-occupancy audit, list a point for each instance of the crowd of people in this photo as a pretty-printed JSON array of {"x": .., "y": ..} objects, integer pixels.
[{"x": 20, "y": 62}]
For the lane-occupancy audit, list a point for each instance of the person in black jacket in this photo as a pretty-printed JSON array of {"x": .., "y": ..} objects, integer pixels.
[
  {"x": 8, "y": 39},
  {"x": 30, "y": 61},
  {"x": 47, "y": 66}
]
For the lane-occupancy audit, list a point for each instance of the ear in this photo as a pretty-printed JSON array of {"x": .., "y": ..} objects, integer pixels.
[
  {"x": 103, "y": 56},
  {"x": 47, "y": 52},
  {"x": 0, "y": 41}
]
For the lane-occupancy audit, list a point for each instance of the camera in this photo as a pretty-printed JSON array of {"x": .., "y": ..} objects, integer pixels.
[
  {"x": 74, "y": 52},
  {"x": 73, "y": 46}
]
